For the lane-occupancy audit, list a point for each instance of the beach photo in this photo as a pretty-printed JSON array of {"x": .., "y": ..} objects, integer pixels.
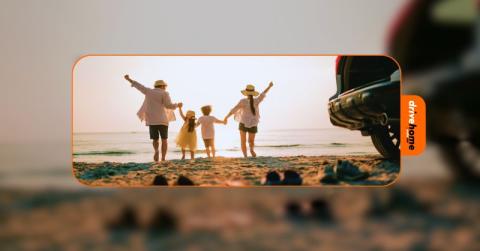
[{"x": 235, "y": 121}]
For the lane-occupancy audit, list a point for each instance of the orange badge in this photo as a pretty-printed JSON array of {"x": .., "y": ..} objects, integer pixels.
[{"x": 413, "y": 125}]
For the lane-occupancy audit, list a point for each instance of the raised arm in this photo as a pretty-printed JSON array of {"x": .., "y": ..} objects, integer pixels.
[
  {"x": 270, "y": 85},
  {"x": 137, "y": 85},
  {"x": 264, "y": 93}
]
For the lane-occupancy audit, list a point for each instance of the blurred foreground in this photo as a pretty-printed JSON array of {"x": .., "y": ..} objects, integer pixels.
[{"x": 413, "y": 215}]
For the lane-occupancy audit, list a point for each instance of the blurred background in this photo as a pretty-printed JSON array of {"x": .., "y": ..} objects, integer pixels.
[{"x": 434, "y": 205}]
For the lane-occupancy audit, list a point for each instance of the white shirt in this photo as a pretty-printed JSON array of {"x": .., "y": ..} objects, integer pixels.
[
  {"x": 157, "y": 108},
  {"x": 243, "y": 113},
  {"x": 208, "y": 130}
]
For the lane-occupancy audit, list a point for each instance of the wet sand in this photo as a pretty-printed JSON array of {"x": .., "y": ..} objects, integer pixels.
[{"x": 236, "y": 171}]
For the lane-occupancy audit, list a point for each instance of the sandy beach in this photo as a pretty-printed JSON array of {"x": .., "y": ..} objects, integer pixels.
[
  {"x": 425, "y": 215},
  {"x": 242, "y": 171}
]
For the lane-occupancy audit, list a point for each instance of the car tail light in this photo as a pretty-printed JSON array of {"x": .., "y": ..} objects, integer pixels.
[
  {"x": 337, "y": 62},
  {"x": 399, "y": 21}
]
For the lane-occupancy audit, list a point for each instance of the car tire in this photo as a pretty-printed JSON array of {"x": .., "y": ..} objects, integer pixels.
[
  {"x": 463, "y": 169},
  {"x": 386, "y": 140}
]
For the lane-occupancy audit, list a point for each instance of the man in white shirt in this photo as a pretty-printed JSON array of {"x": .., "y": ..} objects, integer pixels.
[{"x": 157, "y": 112}]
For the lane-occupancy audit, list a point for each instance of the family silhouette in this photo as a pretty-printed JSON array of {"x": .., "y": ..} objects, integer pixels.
[{"x": 157, "y": 111}]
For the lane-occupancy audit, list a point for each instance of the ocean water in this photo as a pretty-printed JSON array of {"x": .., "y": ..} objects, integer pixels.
[{"x": 136, "y": 146}]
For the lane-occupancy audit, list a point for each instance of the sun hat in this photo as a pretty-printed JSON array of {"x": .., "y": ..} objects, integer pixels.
[
  {"x": 250, "y": 90},
  {"x": 190, "y": 114},
  {"x": 206, "y": 110},
  {"x": 159, "y": 83}
]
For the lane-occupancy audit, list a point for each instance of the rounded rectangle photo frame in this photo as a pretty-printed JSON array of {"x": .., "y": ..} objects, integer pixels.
[{"x": 236, "y": 120}]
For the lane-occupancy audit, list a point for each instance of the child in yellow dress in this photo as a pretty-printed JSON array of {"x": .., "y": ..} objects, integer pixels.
[{"x": 187, "y": 137}]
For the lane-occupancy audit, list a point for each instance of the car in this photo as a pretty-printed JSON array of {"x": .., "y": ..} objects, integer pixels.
[
  {"x": 368, "y": 100},
  {"x": 437, "y": 44}
]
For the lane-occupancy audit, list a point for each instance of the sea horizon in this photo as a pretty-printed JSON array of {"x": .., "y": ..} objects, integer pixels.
[{"x": 135, "y": 146}]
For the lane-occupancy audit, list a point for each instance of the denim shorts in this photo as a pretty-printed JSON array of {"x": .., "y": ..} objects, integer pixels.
[{"x": 242, "y": 128}]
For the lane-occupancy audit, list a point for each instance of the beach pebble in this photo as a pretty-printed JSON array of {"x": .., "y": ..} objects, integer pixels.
[
  {"x": 347, "y": 171},
  {"x": 389, "y": 167},
  {"x": 184, "y": 181},
  {"x": 160, "y": 180},
  {"x": 329, "y": 177},
  {"x": 272, "y": 178},
  {"x": 126, "y": 220},
  {"x": 293, "y": 209},
  {"x": 163, "y": 221},
  {"x": 291, "y": 177},
  {"x": 321, "y": 209},
  {"x": 405, "y": 200}
]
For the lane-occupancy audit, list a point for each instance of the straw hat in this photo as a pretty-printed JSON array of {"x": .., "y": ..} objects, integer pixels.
[
  {"x": 159, "y": 83},
  {"x": 190, "y": 114},
  {"x": 250, "y": 90}
]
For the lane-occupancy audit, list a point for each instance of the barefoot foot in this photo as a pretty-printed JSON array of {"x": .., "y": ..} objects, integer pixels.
[{"x": 155, "y": 157}]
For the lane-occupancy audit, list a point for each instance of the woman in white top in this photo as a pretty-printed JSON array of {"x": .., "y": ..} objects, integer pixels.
[{"x": 247, "y": 113}]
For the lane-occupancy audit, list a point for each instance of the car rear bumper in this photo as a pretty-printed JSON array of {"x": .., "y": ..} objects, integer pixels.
[{"x": 362, "y": 108}]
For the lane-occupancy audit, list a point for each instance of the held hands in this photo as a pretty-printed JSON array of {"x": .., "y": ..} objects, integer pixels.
[
  {"x": 180, "y": 105},
  {"x": 225, "y": 121}
]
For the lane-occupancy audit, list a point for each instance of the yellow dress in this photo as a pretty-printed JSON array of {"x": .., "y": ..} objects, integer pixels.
[{"x": 186, "y": 139}]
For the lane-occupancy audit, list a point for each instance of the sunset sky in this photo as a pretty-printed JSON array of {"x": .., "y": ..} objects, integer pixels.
[{"x": 105, "y": 102}]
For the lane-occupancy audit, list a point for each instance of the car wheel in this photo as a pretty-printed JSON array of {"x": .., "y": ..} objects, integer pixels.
[
  {"x": 386, "y": 140},
  {"x": 463, "y": 158}
]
